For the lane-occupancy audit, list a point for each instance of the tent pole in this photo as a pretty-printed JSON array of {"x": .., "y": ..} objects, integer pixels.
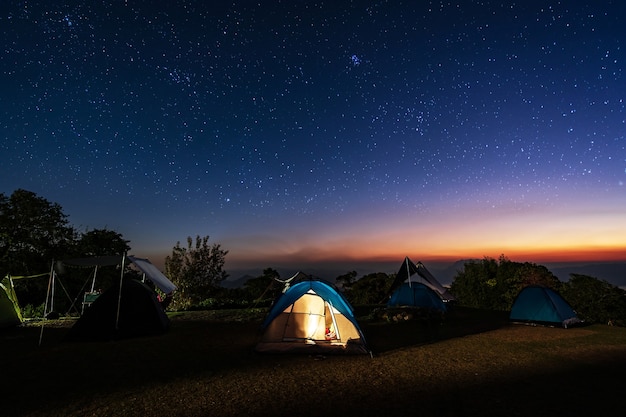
[
  {"x": 15, "y": 302},
  {"x": 45, "y": 308},
  {"x": 119, "y": 296},
  {"x": 332, "y": 316},
  {"x": 54, "y": 285},
  {"x": 408, "y": 271},
  {"x": 93, "y": 281}
]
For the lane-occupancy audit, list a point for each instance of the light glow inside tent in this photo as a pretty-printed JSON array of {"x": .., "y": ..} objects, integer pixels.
[{"x": 311, "y": 314}]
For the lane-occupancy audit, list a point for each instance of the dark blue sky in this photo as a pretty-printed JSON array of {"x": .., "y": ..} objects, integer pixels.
[{"x": 299, "y": 131}]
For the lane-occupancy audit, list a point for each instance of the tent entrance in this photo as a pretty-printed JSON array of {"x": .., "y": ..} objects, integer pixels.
[{"x": 309, "y": 319}]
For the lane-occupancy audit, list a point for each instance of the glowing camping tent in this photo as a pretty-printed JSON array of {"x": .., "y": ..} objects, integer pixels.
[{"x": 313, "y": 317}]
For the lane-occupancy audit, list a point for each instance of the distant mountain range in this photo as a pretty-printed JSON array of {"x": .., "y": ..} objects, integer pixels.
[
  {"x": 612, "y": 272},
  {"x": 237, "y": 282}
]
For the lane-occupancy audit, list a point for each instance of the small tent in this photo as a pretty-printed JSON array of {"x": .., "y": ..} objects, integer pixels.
[
  {"x": 10, "y": 313},
  {"x": 311, "y": 316},
  {"x": 133, "y": 312},
  {"x": 410, "y": 272},
  {"x": 542, "y": 305},
  {"x": 416, "y": 295}
]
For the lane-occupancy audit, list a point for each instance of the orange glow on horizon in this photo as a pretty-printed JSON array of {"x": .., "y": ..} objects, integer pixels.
[
  {"x": 538, "y": 255},
  {"x": 575, "y": 232}
]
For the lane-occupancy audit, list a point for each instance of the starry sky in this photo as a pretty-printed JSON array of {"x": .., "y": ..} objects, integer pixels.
[{"x": 311, "y": 132}]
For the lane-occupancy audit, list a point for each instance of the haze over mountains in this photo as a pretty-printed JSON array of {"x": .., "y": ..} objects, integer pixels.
[{"x": 613, "y": 272}]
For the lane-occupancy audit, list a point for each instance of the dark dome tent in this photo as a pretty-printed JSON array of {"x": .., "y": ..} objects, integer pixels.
[
  {"x": 140, "y": 314},
  {"x": 129, "y": 308},
  {"x": 542, "y": 305},
  {"x": 418, "y": 295}
]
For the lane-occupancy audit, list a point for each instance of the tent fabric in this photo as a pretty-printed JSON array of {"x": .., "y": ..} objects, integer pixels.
[
  {"x": 416, "y": 295},
  {"x": 311, "y": 316},
  {"x": 542, "y": 305},
  {"x": 95, "y": 261},
  {"x": 10, "y": 313},
  {"x": 144, "y": 265},
  {"x": 153, "y": 274},
  {"x": 140, "y": 314},
  {"x": 411, "y": 272}
]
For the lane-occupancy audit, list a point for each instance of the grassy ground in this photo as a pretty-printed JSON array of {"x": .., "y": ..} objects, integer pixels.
[{"x": 473, "y": 364}]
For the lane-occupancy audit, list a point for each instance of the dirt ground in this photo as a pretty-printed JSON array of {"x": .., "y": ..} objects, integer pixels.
[{"x": 472, "y": 364}]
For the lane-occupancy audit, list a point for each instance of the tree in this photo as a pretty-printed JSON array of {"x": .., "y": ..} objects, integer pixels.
[
  {"x": 595, "y": 300},
  {"x": 474, "y": 286},
  {"x": 370, "y": 289},
  {"x": 346, "y": 281},
  {"x": 96, "y": 242},
  {"x": 263, "y": 287},
  {"x": 493, "y": 285},
  {"x": 196, "y": 270},
  {"x": 33, "y": 233},
  {"x": 101, "y": 242}
]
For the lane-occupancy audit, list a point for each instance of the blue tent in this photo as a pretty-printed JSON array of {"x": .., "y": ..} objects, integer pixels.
[
  {"x": 311, "y": 316},
  {"x": 411, "y": 272},
  {"x": 415, "y": 294},
  {"x": 541, "y": 305}
]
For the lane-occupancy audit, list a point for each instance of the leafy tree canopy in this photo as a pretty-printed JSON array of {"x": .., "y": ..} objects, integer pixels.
[
  {"x": 346, "y": 281},
  {"x": 494, "y": 284},
  {"x": 101, "y": 242},
  {"x": 263, "y": 287},
  {"x": 33, "y": 232},
  {"x": 595, "y": 300},
  {"x": 370, "y": 289},
  {"x": 196, "y": 269}
]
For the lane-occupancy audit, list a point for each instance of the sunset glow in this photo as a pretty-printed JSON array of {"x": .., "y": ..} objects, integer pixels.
[{"x": 339, "y": 133}]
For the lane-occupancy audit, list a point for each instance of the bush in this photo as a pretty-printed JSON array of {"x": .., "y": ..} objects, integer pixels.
[
  {"x": 30, "y": 311},
  {"x": 493, "y": 284},
  {"x": 595, "y": 300}
]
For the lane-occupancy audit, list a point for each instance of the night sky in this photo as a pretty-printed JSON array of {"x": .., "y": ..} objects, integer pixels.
[{"x": 300, "y": 132}]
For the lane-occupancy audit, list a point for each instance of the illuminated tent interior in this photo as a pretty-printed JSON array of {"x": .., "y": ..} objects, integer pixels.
[{"x": 313, "y": 317}]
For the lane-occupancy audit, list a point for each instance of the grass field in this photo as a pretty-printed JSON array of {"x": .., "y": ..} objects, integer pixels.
[{"x": 473, "y": 364}]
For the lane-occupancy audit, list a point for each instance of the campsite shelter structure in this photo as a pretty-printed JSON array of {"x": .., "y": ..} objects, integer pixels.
[
  {"x": 311, "y": 316},
  {"x": 410, "y": 273},
  {"x": 129, "y": 308},
  {"x": 150, "y": 272},
  {"x": 10, "y": 313},
  {"x": 541, "y": 305},
  {"x": 416, "y": 295},
  {"x": 133, "y": 312}
]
